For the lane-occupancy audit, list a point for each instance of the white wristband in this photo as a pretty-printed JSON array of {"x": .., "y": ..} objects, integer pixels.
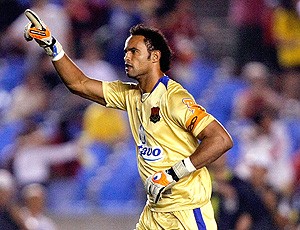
[
  {"x": 56, "y": 51},
  {"x": 183, "y": 168},
  {"x": 59, "y": 55},
  {"x": 189, "y": 165}
]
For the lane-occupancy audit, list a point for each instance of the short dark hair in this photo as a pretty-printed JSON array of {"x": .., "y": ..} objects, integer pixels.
[{"x": 155, "y": 40}]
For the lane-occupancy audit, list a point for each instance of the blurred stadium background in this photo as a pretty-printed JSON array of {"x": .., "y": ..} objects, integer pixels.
[{"x": 232, "y": 55}]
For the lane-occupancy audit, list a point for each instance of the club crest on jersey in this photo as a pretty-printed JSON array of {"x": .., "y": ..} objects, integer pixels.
[{"x": 154, "y": 117}]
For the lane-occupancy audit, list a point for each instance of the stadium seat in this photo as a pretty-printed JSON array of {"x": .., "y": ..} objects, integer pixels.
[
  {"x": 293, "y": 126},
  {"x": 120, "y": 193},
  {"x": 221, "y": 103},
  {"x": 8, "y": 134},
  {"x": 96, "y": 157}
]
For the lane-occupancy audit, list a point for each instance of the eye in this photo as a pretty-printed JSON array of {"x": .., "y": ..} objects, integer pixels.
[{"x": 131, "y": 51}]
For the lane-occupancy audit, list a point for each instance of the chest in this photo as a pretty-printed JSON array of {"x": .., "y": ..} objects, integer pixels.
[{"x": 150, "y": 113}]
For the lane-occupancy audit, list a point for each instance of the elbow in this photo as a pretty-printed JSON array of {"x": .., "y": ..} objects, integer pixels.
[
  {"x": 76, "y": 88},
  {"x": 73, "y": 90},
  {"x": 228, "y": 143}
]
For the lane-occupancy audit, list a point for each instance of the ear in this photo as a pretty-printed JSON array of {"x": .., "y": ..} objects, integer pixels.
[{"x": 155, "y": 56}]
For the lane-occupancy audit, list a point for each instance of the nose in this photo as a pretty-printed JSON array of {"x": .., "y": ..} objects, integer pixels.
[{"x": 127, "y": 57}]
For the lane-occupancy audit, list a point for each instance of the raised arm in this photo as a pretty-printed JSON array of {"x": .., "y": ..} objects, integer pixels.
[
  {"x": 77, "y": 82},
  {"x": 71, "y": 75}
]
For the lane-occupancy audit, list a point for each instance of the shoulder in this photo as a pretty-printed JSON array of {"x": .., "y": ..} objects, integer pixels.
[
  {"x": 121, "y": 85},
  {"x": 176, "y": 92},
  {"x": 175, "y": 88}
]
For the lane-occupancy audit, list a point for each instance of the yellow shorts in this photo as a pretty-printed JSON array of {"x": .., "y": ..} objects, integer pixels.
[{"x": 195, "y": 219}]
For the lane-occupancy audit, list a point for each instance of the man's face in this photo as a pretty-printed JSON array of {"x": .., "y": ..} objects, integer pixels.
[{"x": 137, "y": 58}]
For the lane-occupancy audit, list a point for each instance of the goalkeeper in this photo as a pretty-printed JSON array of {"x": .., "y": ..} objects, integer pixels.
[{"x": 175, "y": 137}]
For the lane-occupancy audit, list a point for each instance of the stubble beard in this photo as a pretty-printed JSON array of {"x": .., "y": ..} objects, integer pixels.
[{"x": 135, "y": 76}]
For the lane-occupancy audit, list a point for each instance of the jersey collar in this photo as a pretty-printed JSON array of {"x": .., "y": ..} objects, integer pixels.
[{"x": 164, "y": 80}]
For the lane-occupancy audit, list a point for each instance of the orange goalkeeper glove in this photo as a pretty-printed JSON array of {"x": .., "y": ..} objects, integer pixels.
[
  {"x": 162, "y": 181},
  {"x": 37, "y": 30}
]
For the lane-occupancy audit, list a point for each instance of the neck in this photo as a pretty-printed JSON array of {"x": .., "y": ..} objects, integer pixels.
[{"x": 146, "y": 84}]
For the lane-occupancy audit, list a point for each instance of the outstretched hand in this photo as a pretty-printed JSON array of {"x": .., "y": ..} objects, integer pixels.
[{"x": 36, "y": 29}]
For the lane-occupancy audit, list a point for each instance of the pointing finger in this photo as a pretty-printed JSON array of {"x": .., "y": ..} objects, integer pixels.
[{"x": 34, "y": 18}]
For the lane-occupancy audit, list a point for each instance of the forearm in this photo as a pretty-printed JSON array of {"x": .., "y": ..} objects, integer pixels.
[
  {"x": 77, "y": 82},
  {"x": 209, "y": 150},
  {"x": 215, "y": 141},
  {"x": 69, "y": 73}
]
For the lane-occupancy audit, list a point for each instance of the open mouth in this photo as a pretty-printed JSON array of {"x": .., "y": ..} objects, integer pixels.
[{"x": 127, "y": 67}]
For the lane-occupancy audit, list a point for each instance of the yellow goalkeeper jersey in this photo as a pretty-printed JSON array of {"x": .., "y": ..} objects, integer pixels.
[{"x": 164, "y": 125}]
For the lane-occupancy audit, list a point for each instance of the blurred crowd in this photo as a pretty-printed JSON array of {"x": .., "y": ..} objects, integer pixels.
[{"x": 63, "y": 154}]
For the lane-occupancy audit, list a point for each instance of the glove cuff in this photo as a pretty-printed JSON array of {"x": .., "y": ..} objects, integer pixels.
[
  {"x": 58, "y": 55},
  {"x": 57, "y": 51},
  {"x": 181, "y": 169}
]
